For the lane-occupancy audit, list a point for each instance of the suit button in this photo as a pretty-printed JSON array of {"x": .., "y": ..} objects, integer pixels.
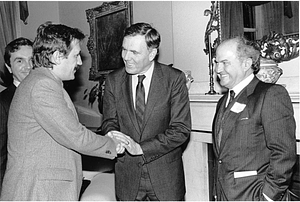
[
  {"x": 107, "y": 152},
  {"x": 220, "y": 161},
  {"x": 140, "y": 164}
]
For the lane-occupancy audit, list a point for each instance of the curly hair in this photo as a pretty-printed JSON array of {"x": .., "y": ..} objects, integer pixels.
[{"x": 50, "y": 38}]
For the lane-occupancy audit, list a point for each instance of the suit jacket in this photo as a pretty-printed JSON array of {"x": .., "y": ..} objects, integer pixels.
[
  {"x": 5, "y": 100},
  {"x": 166, "y": 127},
  {"x": 258, "y": 145},
  {"x": 45, "y": 140}
]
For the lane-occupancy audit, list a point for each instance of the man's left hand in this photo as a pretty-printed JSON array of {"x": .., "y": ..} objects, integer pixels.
[{"x": 132, "y": 147}]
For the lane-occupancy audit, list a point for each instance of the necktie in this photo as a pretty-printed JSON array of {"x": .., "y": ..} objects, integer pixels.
[
  {"x": 232, "y": 94},
  {"x": 140, "y": 100}
]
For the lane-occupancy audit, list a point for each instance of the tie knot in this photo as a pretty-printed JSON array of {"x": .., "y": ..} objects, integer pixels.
[
  {"x": 232, "y": 94},
  {"x": 141, "y": 78}
]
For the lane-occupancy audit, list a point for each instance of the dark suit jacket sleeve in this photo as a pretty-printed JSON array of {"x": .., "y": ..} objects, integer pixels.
[
  {"x": 279, "y": 126},
  {"x": 3, "y": 139},
  {"x": 109, "y": 109}
]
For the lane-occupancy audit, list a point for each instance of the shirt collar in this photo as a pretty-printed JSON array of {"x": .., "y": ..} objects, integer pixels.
[
  {"x": 238, "y": 88},
  {"x": 148, "y": 73},
  {"x": 16, "y": 83}
]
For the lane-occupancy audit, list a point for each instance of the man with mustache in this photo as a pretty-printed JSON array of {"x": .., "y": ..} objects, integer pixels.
[{"x": 45, "y": 137}]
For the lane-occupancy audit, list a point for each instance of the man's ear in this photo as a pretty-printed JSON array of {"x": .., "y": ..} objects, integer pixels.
[
  {"x": 9, "y": 68},
  {"x": 247, "y": 64},
  {"x": 57, "y": 57},
  {"x": 152, "y": 54}
]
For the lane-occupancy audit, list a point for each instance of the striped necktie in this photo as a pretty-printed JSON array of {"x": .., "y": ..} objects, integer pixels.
[{"x": 140, "y": 100}]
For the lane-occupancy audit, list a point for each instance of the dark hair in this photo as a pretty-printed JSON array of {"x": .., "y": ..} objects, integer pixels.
[
  {"x": 152, "y": 36},
  {"x": 245, "y": 49},
  {"x": 6, "y": 78},
  {"x": 14, "y": 46},
  {"x": 50, "y": 38}
]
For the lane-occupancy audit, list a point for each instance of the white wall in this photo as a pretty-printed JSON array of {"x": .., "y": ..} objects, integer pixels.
[
  {"x": 39, "y": 12},
  {"x": 189, "y": 24},
  {"x": 290, "y": 76},
  {"x": 159, "y": 15}
]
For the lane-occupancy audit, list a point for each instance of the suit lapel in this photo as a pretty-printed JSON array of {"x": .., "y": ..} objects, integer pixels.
[
  {"x": 155, "y": 93},
  {"x": 218, "y": 123},
  {"x": 230, "y": 117},
  {"x": 127, "y": 94}
]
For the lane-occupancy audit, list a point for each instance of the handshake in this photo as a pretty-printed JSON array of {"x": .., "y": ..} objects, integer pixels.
[{"x": 123, "y": 142}]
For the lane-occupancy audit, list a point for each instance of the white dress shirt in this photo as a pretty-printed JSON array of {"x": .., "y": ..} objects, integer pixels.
[
  {"x": 146, "y": 83},
  {"x": 239, "y": 87}
]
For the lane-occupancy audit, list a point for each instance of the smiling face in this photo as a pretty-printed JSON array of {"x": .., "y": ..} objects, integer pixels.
[
  {"x": 66, "y": 66},
  {"x": 228, "y": 66},
  {"x": 21, "y": 62},
  {"x": 136, "y": 55}
]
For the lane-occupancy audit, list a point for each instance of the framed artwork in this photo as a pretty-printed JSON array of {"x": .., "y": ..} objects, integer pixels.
[{"x": 107, "y": 24}]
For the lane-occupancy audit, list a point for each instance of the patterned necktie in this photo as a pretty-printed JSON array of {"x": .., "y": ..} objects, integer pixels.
[
  {"x": 232, "y": 94},
  {"x": 140, "y": 100}
]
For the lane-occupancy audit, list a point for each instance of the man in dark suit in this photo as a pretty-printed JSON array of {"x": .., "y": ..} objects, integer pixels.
[
  {"x": 254, "y": 134},
  {"x": 18, "y": 61},
  {"x": 152, "y": 167}
]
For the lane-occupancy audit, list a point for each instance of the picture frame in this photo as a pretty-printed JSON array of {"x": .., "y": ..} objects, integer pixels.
[{"x": 107, "y": 24}]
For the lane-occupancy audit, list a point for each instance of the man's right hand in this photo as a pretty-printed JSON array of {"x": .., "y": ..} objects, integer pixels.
[
  {"x": 132, "y": 147},
  {"x": 120, "y": 142}
]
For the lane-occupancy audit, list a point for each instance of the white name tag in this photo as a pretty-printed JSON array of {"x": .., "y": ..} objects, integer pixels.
[
  {"x": 244, "y": 174},
  {"x": 238, "y": 107}
]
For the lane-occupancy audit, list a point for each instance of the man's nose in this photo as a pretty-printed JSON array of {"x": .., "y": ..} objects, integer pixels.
[
  {"x": 126, "y": 55},
  {"x": 28, "y": 64},
  {"x": 218, "y": 67}
]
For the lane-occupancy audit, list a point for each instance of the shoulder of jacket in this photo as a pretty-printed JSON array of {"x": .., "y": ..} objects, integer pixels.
[
  {"x": 169, "y": 69},
  {"x": 264, "y": 87}
]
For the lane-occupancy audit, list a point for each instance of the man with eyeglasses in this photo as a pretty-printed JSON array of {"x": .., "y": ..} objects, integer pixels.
[{"x": 253, "y": 130}]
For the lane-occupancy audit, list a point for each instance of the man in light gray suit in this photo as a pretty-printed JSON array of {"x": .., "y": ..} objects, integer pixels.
[{"x": 45, "y": 138}]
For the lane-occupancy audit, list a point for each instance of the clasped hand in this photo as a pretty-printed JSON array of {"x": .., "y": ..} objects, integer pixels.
[{"x": 125, "y": 142}]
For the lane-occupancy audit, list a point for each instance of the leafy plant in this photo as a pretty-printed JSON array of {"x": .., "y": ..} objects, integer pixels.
[{"x": 96, "y": 93}]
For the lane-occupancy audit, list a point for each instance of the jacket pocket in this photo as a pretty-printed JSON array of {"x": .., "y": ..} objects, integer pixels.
[
  {"x": 244, "y": 173},
  {"x": 60, "y": 174}
]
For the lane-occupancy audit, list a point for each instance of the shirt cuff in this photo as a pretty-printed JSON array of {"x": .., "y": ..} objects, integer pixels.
[{"x": 268, "y": 199}]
